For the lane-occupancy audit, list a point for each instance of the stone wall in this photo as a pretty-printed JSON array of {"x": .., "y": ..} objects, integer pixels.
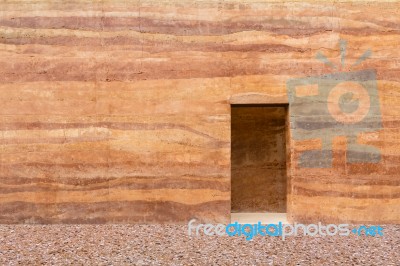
[{"x": 119, "y": 111}]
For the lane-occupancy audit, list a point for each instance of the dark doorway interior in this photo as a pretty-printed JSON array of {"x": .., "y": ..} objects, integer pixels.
[{"x": 258, "y": 158}]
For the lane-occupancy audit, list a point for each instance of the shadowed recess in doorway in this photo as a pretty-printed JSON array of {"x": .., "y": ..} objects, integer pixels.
[{"x": 258, "y": 159}]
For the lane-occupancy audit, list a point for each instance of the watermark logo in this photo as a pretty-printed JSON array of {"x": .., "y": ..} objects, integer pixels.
[
  {"x": 343, "y": 103},
  {"x": 249, "y": 231}
]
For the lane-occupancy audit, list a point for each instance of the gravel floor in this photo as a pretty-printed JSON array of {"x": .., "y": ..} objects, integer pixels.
[{"x": 170, "y": 245}]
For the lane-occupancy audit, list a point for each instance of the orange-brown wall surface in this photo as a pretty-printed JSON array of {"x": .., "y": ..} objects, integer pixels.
[{"x": 119, "y": 111}]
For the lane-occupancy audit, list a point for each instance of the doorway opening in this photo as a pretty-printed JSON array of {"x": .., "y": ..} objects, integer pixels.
[{"x": 258, "y": 160}]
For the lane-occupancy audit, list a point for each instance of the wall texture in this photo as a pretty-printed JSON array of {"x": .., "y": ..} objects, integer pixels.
[
  {"x": 119, "y": 111},
  {"x": 258, "y": 159}
]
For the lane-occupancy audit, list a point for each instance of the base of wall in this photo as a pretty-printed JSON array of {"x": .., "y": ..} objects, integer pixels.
[{"x": 254, "y": 218}]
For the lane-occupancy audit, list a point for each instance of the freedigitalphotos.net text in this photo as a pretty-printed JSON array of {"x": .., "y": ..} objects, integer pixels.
[{"x": 249, "y": 231}]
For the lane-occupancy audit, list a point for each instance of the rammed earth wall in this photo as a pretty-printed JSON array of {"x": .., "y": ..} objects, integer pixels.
[{"x": 119, "y": 111}]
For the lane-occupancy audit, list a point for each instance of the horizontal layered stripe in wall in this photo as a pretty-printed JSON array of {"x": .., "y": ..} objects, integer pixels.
[{"x": 119, "y": 111}]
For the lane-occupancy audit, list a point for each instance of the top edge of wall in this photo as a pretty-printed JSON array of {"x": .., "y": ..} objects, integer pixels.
[{"x": 216, "y": 1}]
